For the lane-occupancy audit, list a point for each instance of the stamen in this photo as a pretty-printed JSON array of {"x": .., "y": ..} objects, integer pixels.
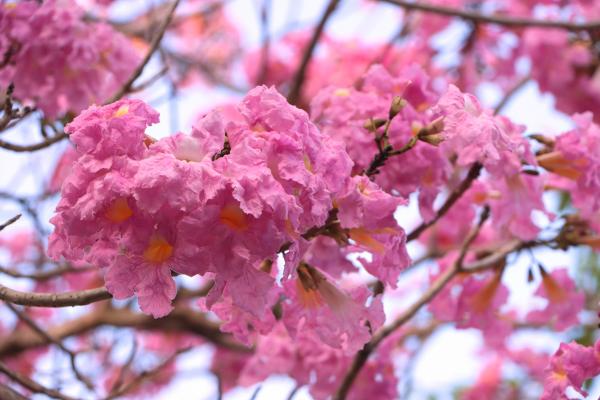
[
  {"x": 119, "y": 211},
  {"x": 158, "y": 250},
  {"x": 233, "y": 216}
]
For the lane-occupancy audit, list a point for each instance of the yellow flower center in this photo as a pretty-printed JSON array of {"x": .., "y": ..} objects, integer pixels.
[
  {"x": 364, "y": 238},
  {"x": 119, "y": 211},
  {"x": 123, "y": 110},
  {"x": 158, "y": 250},
  {"x": 233, "y": 216}
]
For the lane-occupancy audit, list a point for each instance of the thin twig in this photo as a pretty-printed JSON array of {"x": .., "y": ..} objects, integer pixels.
[
  {"x": 33, "y": 325},
  {"x": 45, "y": 275},
  {"x": 153, "y": 46},
  {"x": 511, "y": 93},
  {"x": 456, "y": 194},
  {"x": 10, "y": 222},
  {"x": 146, "y": 374},
  {"x": 20, "y": 148},
  {"x": 362, "y": 356},
  {"x": 495, "y": 19},
  {"x": 296, "y": 89},
  {"x": 121, "y": 378},
  {"x": 8, "y": 393},
  {"x": 31, "y": 384},
  {"x": 263, "y": 71}
]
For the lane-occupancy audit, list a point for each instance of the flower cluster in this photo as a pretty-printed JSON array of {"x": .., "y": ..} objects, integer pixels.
[
  {"x": 57, "y": 61},
  {"x": 223, "y": 202}
]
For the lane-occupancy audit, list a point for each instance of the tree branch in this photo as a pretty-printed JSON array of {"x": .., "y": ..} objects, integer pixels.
[
  {"x": 181, "y": 319},
  {"x": 362, "y": 356},
  {"x": 31, "y": 384},
  {"x": 456, "y": 194},
  {"x": 67, "y": 299},
  {"x": 296, "y": 88},
  {"x": 19, "y": 148},
  {"x": 153, "y": 46},
  {"x": 495, "y": 19},
  {"x": 10, "y": 222}
]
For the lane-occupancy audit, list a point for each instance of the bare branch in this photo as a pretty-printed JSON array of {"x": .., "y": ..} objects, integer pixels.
[
  {"x": 67, "y": 299},
  {"x": 511, "y": 93},
  {"x": 362, "y": 356},
  {"x": 19, "y": 148},
  {"x": 495, "y": 19},
  {"x": 8, "y": 393},
  {"x": 31, "y": 384},
  {"x": 456, "y": 194},
  {"x": 146, "y": 374},
  {"x": 33, "y": 325},
  {"x": 10, "y": 222},
  {"x": 153, "y": 46},
  {"x": 296, "y": 90},
  {"x": 181, "y": 319}
]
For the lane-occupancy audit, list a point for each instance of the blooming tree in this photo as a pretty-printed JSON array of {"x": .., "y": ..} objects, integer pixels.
[{"x": 339, "y": 203}]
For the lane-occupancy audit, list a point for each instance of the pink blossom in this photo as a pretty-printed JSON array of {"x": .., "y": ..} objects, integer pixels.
[
  {"x": 475, "y": 135},
  {"x": 564, "y": 301},
  {"x": 57, "y": 61},
  {"x": 570, "y": 366},
  {"x": 575, "y": 157},
  {"x": 565, "y": 68},
  {"x": 340, "y": 319},
  {"x": 367, "y": 213},
  {"x": 342, "y": 113}
]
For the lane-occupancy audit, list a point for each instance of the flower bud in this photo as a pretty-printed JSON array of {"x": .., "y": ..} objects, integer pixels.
[
  {"x": 372, "y": 124},
  {"x": 397, "y": 105}
]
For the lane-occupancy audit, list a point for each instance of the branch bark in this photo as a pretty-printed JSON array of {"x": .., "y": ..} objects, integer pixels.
[
  {"x": 477, "y": 17},
  {"x": 296, "y": 89},
  {"x": 67, "y": 299},
  {"x": 153, "y": 46}
]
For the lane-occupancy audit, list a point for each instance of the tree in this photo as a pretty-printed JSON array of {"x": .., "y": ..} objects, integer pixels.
[{"x": 329, "y": 177}]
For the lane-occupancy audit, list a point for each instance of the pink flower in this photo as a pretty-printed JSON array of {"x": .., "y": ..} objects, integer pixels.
[
  {"x": 342, "y": 113},
  {"x": 570, "y": 366},
  {"x": 340, "y": 319},
  {"x": 311, "y": 362},
  {"x": 565, "y": 68},
  {"x": 475, "y": 135},
  {"x": 564, "y": 301},
  {"x": 57, "y": 61},
  {"x": 113, "y": 130},
  {"x": 367, "y": 213},
  {"x": 575, "y": 157},
  {"x": 213, "y": 202}
]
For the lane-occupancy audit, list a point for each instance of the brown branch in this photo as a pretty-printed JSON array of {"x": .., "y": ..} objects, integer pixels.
[
  {"x": 45, "y": 275},
  {"x": 511, "y": 93},
  {"x": 362, "y": 356},
  {"x": 19, "y": 148},
  {"x": 67, "y": 299},
  {"x": 181, "y": 319},
  {"x": 8, "y": 393},
  {"x": 477, "y": 17},
  {"x": 456, "y": 194},
  {"x": 36, "y": 328},
  {"x": 31, "y": 384},
  {"x": 146, "y": 374},
  {"x": 296, "y": 89},
  {"x": 266, "y": 43},
  {"x": 153, "y": 46},
  {"x": 10, "y": 222}
]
